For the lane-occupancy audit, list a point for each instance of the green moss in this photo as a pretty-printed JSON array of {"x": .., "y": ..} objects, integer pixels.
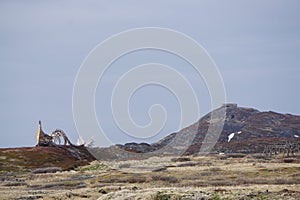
[
  {"x": 163, "y": 196},
  {"x": 93, "y": 167}
]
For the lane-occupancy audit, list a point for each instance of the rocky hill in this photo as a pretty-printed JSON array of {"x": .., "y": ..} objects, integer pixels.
[
  {"x": 245, "y": 124},
  {"x": 245, "y": 130}
]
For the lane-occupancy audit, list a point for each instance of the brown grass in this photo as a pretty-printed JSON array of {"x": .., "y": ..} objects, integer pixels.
[{"x": 234, "y": 178}]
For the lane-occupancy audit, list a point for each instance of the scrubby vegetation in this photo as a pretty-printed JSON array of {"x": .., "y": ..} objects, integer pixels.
[
  {"x": 94, "y": 166},
  {"x": 156, "y": 178}
]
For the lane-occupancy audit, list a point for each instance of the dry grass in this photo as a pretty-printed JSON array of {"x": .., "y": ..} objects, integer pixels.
[{"x": 208, "y": 177}]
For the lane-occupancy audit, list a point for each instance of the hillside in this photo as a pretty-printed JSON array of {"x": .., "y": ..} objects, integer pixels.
[
  {"x": 245, "y": 130},
  {"x": 27, "y": 159}
]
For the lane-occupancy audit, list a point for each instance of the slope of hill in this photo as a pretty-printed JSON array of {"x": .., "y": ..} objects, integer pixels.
[
  {"x": 30, "y": 158},
  {"x": 245, "y": 130}
]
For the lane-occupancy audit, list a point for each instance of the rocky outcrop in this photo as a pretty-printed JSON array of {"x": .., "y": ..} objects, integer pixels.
[{"x": 137, "y": 147}]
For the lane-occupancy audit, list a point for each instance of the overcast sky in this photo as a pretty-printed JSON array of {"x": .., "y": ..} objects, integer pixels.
[{"x": 255, "y": 44}]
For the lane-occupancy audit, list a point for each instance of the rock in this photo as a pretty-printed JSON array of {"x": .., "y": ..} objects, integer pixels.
[
  {"x": 159, "y": 169},
  {"x": 180, "y": 159},
  {"x": 102, "y": 191},
  {"x": 46, "y": 170},
  {"x": 187, "y": 164},
  {"x": 235, "y": 155},
  {"x": 137, "y": 147},
  {"x": 289, "y": 160}
]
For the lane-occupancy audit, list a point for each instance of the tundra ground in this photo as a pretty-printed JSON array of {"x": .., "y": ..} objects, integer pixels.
[{"x": 235, "y": 176}]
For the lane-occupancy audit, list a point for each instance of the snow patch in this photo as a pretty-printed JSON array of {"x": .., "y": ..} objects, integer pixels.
[
  {"x": 296, "y": 136},
  {"x": 239, "y": 132},
  {"x": 230, "y": 137}
]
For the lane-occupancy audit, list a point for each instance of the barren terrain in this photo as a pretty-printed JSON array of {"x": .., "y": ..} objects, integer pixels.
[
  {"x": 257, "y": 156},
  {"x": 231, "y": 176}
]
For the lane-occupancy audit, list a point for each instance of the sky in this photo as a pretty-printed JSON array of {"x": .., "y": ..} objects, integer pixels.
[{"x": 255, "y": 44}]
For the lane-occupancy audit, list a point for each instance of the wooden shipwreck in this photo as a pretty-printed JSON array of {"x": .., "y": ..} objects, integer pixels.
[{"x": 55, "y": 138}]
